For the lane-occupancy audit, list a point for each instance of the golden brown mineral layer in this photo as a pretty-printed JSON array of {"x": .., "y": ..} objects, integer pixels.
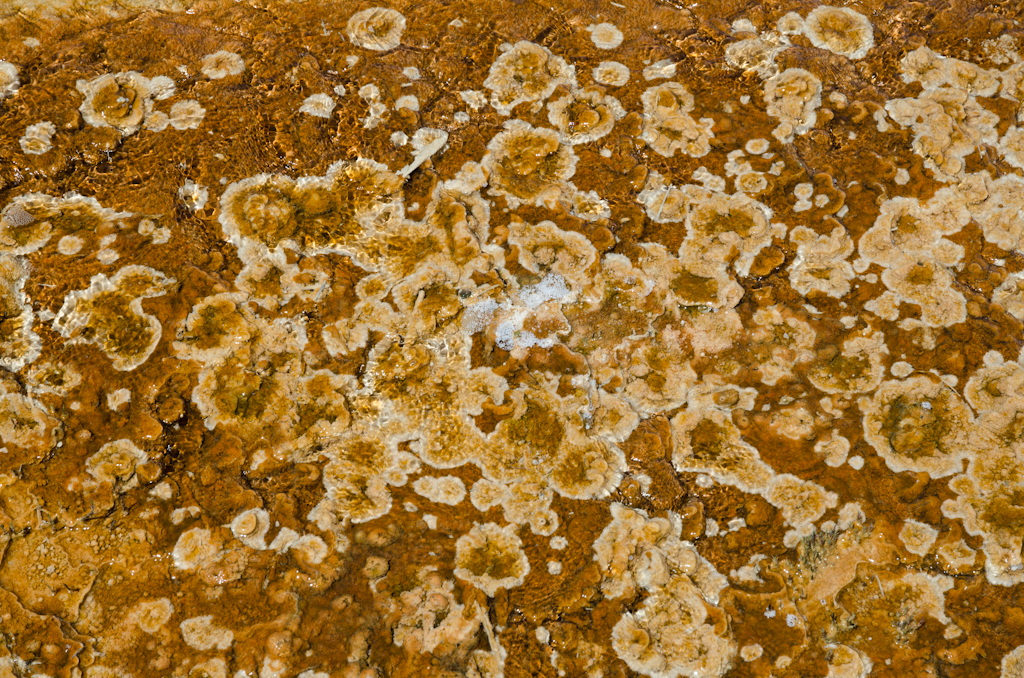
[{"x": 483, "y": 339}]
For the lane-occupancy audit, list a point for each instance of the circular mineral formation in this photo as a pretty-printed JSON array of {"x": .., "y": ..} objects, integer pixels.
[
  {"x": 840, "y": 30},
  {"x": 122, "y": 100},
  {"x": 605, "y": 36},
  {"x": 611, "y": 73},
  {"x": 186, "y": 114},
  {"x": 318, "y": 105},
  {"x": 582, "y": 117},
  {"x": 221, "y": 64},
  {"x": 491, "y": 558},
  {"x": 524, "y": 73},
  {"x": 377, "y": 28},
  {"x": 38, "y": 138}
]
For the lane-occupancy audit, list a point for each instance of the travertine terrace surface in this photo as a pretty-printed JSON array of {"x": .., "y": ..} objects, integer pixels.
[{"x": 479, "y": 339}]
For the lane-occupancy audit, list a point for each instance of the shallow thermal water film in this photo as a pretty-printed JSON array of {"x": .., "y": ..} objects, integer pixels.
[{"x": 466, "y": 339}]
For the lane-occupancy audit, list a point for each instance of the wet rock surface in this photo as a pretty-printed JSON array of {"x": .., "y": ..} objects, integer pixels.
[{"x": 492, "y": 339}]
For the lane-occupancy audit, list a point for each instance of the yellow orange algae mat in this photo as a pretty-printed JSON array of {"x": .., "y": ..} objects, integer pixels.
[{"x": 479, "y": 339}]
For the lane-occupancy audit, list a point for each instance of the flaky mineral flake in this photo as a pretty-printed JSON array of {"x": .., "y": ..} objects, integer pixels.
[
  {"x": 651, "y": 642},
  {"x": 363, "y": 463},
  {"x": 330, "y": 213},
  {"x": 707, "y": 441},
  {"x": 948, "y": 123},
  {"x": 636, "y": 551},
  {"x": 309, "y": 549},
  {"x": 995, "y": 205},
  {"x": 930, "y": 286},
  {"x": 996, "y": 385},
  {"x": 586, "y": 116},
  {"x": 1010, "y": 295},
  {"x": 57, "y": 378},
  {"x": 847, "y": 662},
  {"x": 756, "y": 55},
  {"x": 751, "y": 652},
  {"x": 25, "y": 422},
  {"x": 801, "y": 502},
  {"x": 1012, "y": 664},
  {"x": 933, "y": 70},
  {"x": 30, "y": 220},
  {"x": 529, "y": 164},
  {"x": 1011, "y": 146},
  {"x": 19, "y": 344},
  {"x": 152, "y": 615},
  {"x": 115, "y": 461},
  {"x": 187, "y": 114},
  {"x": 918, "y": 537},
  {"x": 157, "y": 121},
  {"x": 194, "y": 548},
  {"x": 200, "y": 633},
  {"x": 194, "y": 195},
  {"x": 790, "y": 23},
  {"x": 857, "y": 368},
  {"x": 666, "y": 68},
  {"x": 956, "y": 558},
  {"x": 906, "y": 227},
  {"x": 751, "y": 183},
  {"x": 834, "y": 449},
  {"x": 250, "y": 527},
  {"x": 473, "y": 98},
  {"x": 486, "y": 494},
  {"x": 546, "y": 249},
  {"x": 536, "y": 445},
  {"x": 822, "y": 261}
]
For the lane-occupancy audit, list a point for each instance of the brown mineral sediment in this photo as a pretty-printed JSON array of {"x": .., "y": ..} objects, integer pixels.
[{"x": 476, "y": 340}]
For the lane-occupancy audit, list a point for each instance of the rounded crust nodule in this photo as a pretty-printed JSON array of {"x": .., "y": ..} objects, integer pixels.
[
  {"x": 668, "y": 127},
  {"x": 9, "y": 81},
  {"x": 122, "y": 100},
  {"x": 920, "y": 425},
  {"x": 491, "y": 558},
  {"x": 377, "y": 28},
  {"x": 525, "y": 73},
  {"x": 611, "y": 73},
  {"x": 529, "y": 164},
  {"x": 221, "y": 64},
  {"x": 605, "y": 35},
  {"x": 792, "y": 96},
  {"x": 582, "y": 117},
  {"x": 840, "y": 30}
]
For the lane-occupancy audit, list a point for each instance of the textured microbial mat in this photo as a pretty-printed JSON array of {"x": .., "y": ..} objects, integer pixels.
[{"x": 469, "y": 339}]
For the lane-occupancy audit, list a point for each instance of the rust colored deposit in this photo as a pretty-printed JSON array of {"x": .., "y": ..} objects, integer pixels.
[{"x": 483, "y": 339}]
